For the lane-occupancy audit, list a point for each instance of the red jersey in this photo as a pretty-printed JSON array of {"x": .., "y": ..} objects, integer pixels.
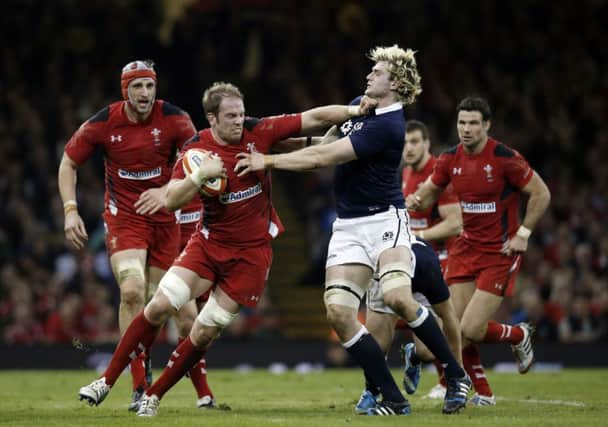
[
  {"x": 138, "y": 156},
  {"x": 243, "y": 215},
  {"x": 488, "y": 185},
  {"x": 421, "y": 220}
]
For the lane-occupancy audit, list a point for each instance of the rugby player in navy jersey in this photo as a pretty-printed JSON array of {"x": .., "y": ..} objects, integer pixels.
[{"x": 372, "y": 229}]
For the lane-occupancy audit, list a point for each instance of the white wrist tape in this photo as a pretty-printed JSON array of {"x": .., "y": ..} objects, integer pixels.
[{"x": 523, "y": 232}]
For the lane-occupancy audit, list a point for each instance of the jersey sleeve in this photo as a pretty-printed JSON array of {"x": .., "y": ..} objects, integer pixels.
[
  {"x": 441, "y": 172},
  {"x": 517, "y": 170},
  {"x": 281, "y": 127},
  {"x": 372, "y": 138},
  {"x": 184, "y": 128},
  {"x": 178, "y": 169},
  {"x": 82, "y": 144},
  {"x": 447, "y": 196}
]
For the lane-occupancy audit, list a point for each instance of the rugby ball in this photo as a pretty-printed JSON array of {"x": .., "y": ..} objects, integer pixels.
[{"x": 192, "y": 162}]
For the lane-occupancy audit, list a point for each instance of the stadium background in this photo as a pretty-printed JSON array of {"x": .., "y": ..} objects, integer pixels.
[{"x": 542, "y": 66}]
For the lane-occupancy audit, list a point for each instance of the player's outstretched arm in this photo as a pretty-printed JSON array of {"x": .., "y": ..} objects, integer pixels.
[
  {"x": 324, "y": 117},
  {"x": 291, "y": 144},
  {"x": 450, "y": 224},
  {"x": 74, "y": 228},
  {"x": 538, "y": 202},
  {"x": 424, "y": 197},
  {"x": 310, "y": 158}
]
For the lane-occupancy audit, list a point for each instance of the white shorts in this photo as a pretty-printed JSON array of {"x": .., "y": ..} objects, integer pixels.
[
  {"x": 362, "y": 240},
  {"x": 375, "y": 298}
]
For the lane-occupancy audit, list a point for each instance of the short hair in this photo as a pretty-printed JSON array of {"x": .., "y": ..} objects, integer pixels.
[
  {"x": 414, "y": 125},
  {"x": 402, "y": 68},
  {"x": 214, "y": 94},
  {"x": 475, "y": 103}
]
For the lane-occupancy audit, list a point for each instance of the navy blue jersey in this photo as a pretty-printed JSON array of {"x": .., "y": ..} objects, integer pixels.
[
  {"x": 371, "y": 183},
  {"x": 428, "y": 279}
]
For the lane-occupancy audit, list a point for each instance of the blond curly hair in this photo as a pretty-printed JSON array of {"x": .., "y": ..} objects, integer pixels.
[{"x": 402, "y": 67}]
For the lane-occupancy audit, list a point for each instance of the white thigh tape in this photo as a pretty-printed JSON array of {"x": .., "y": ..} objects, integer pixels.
[
  {"x": 175, "y": 289},
  {"x": 214, "y": 315}
]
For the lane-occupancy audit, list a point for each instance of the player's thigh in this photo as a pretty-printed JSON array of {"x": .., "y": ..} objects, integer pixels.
[
  {"x": 481, "y": 308},
  {"x": 155, "y": 274},
  {"x": 461, "y": 293},
  {"x": 345, "y": 286},
  {"x": 129, "y": 267},
  {"x": 176, "y": 288},
  {"x": 382, "y": 328}
]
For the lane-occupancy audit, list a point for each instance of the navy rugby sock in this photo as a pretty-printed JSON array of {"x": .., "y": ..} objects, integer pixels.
[
  {"x": 426, "y": 328},
  {"x": 366, "y": 351}
]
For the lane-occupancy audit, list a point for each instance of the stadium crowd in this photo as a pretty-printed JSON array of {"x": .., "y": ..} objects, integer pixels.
[{"x": 548, "y": 88}]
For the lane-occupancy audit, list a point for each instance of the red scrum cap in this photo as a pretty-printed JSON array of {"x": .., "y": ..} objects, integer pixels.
[{"x": 135, "y": 70}]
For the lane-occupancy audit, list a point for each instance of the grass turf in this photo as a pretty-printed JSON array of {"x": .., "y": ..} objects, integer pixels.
[{"x": 259, "y": 398}]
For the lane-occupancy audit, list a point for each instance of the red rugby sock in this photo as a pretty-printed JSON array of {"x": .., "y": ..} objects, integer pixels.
[
  {"x": 500, "y": 332},
  {"x": 138, "y": 338},
  {"x": 471, "y": 360},
  {"x": 184, "y": 357}
]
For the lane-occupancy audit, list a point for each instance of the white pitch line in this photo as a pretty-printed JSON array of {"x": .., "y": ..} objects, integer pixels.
[{"x": 547, "y": 402}]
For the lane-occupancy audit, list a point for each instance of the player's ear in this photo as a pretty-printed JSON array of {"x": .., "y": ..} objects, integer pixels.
[
  {"x": 211, "y": 118},
  {"x": 486, "y": 125}
]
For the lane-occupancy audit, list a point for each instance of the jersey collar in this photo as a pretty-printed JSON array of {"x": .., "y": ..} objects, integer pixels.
[{"x": 393, "y": 107}]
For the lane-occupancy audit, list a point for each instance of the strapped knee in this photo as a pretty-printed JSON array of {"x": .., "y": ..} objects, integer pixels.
[
  {"x": 130, "y": 268},
  {"x": 213, "y": 314},
  {"x": 175, "y": 289},
  {"x": 343, "y": 292},
  {"x": 395, "y": 275}
]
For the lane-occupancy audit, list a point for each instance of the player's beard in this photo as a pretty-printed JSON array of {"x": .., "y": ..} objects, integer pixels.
[{"x": 141, "y": 109}]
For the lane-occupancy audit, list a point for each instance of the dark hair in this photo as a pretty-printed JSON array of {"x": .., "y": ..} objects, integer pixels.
[
  {"x": 414, "y": 125},
  {"x": 475, "y": 103}
]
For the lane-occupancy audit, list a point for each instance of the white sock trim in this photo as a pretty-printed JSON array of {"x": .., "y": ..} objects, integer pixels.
[
  {"x": 420, "y": 320},
  {"x": 356, "y": 338}
]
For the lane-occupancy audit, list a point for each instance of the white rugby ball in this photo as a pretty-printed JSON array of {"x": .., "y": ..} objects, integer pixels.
[{"x": 192, "y": 161}]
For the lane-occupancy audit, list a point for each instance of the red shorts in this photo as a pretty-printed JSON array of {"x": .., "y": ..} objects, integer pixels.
[
  {"x": 240, "y": 272},
  {"x": 160, "y": 240},
  {"x": 492, "y": 272},
  {"x": 186, "y": 231}
]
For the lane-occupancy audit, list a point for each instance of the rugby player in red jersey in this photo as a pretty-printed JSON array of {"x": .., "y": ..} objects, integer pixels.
[
  {"x": 439, "y": 224},
  {"x": 231, "y": 252},
  {"x": 139, "y": 137},
  {"x": 488, "y": 177}
]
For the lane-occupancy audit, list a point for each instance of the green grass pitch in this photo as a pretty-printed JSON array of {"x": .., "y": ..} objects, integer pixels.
[{"x": 259, "y": 398}]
